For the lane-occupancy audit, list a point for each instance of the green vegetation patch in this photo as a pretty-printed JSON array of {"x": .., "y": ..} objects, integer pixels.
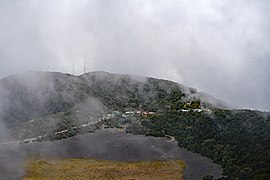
[{"x": 239, "y": 140}]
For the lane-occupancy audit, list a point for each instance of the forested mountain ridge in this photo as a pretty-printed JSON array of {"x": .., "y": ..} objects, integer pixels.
[
  {"x": 48, "y": 103},
  {"x": 36, "y": 94}
]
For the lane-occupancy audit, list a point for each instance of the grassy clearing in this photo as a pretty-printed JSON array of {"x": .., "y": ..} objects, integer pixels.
[{"x": 100, "y": 169}]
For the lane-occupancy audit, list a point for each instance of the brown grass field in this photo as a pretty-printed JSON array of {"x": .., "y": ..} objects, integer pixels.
[{"x": 69, "y": 169}]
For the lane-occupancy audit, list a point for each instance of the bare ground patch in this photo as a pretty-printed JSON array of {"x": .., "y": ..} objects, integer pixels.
[{"x": 59, "y": 169}]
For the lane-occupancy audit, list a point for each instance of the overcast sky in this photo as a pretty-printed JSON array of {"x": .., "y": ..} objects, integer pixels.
[{"x": 219, "y": 47}]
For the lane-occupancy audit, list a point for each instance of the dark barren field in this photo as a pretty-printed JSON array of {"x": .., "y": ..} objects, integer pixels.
[{"x": 105, "y": 145}]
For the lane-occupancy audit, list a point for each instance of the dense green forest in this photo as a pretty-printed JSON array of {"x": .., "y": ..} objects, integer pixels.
[{"x": 239, "y": 140}]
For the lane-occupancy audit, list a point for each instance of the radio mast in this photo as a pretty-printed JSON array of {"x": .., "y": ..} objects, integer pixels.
[
  {"x": 73, "y": 68},
  {"x": 93, "y": 65},
  {"x": 84, "y": 68}
]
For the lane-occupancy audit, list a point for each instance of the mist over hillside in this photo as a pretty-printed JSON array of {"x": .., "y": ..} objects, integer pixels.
[
  {"x": 47, "y": 106},
  {"x": 220, "y": 47},
  {"x": 36, "y": 94},
  {"x": 190, "y": 83}
]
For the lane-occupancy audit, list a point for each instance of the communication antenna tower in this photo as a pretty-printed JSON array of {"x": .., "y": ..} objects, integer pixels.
[
  {"x": 73, "y": 68},
  {"x": 84, "y": 68}
]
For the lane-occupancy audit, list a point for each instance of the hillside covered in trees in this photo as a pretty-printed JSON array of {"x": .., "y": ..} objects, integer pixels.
[
  {"x": 239, "y": 140},
  {"x": 45, "y": 103},
  {"x": 37, "y": 94}
]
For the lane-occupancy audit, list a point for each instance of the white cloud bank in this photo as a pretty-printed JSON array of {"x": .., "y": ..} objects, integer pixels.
[{"x": 220, "y": 47}]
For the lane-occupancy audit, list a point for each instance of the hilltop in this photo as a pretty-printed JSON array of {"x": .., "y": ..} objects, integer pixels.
[{"x": 37, "y": 94}]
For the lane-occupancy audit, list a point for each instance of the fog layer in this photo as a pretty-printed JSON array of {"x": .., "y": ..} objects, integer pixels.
[{"x": 220, "y": 47}]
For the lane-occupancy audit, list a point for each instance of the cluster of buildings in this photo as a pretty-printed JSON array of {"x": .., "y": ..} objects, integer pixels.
[
  {"x": 188, "y": 110},
  {"x": 117, "y": 114},
  {"x": 194, "y": 108}
]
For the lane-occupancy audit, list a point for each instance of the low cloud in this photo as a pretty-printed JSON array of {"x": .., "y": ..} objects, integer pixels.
[{"x": 218, "y": 47}]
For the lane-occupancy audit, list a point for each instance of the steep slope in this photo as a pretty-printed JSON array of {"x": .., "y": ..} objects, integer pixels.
[
  {"x": 131, "y": 91},
  {"x": 36, "y": 94},
  {"x": 239, "y": 140}
]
